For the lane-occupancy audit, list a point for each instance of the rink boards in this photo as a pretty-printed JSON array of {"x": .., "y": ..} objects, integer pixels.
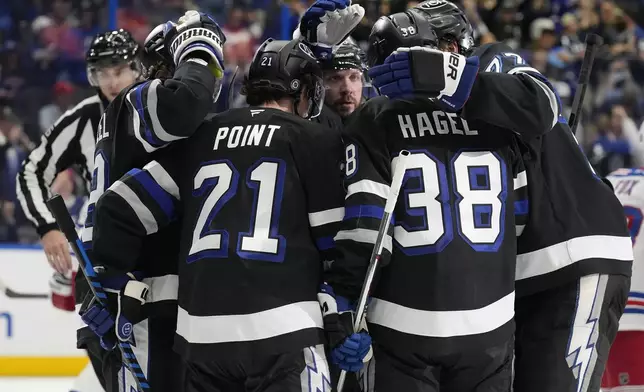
[{"x": 36, "y": 339}]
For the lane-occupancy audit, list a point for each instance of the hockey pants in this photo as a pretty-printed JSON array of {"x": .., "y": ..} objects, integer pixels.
[
  {"x": 564, "y": 334},
  {"x": 300, "y": 371},
  {"x": 163, "y": 368}
]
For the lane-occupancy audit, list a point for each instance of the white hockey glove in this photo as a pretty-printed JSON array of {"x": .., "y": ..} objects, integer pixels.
[
  {"x": 196, "y": 36},
  {"x": 327, "y": 23}
]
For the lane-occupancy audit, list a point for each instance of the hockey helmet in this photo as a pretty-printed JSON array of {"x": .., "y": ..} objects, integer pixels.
[
  {"x": 155, "y": 58},
  {"x": 402, "y": 29},
  {"x": 289, "y": 67},
  {"x": 109, "y": 49},
  {"x": 346, "y": 56},
  {"x": 450, "y": 23}
]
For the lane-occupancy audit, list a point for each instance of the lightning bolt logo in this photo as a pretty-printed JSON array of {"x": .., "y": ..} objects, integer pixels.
[
  {"x": 581, "y": 352},
  {"x": 317, "y": 370}
]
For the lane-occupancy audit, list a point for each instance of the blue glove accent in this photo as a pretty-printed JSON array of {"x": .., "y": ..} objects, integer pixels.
[
  {"x": 100, "y": 321},
  {"x": 393, "y": 78},
  {"x": 350, "y": 354},
  {"x": 456, "y": 101}
]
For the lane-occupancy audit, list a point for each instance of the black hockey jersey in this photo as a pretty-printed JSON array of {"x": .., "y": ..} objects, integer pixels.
[
  {"x": 147, "y": 116},
  {"x": 577, "y": 225},
  {"x": 259, "y": 195},
  {"x": 450, "y": 254}
]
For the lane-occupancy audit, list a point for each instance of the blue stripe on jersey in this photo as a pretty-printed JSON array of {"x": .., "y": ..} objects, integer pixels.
[
  {"x": 521, "y": 207},
  {"x": 365, "y": 211},
  {"x": 627, "y": 173},
  {"x": 634, "y": 311},
  {"x": 325, "y": 243},
  {"x": 163, "y": 198},
  {"x": 636, "y": 294},
  {"x": 149, "y": 136}
]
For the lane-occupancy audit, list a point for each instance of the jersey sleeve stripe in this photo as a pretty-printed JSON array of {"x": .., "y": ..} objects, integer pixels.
[
  {"x": 142, "y": 110},
  {"x": 163, "y": 178},
  {"x": 521, "y": 207},
  {"x": 365, "y": 211},
  {"x": 153, "y": 106},
  {"x": 136, "y": 123},
  {"x": 322, "y": 218},
  {"x": 368, "y": 186},
  {"x": 142, "y": 212},
  {"x": 156, "y": 191},
  {"x": 547, "y": 88},
  {"x": 563, "y": 254},
  {"x": 365, "y": 236}
]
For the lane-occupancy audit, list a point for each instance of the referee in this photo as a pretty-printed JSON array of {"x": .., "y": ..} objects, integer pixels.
[{"x": 112, "y": 65}]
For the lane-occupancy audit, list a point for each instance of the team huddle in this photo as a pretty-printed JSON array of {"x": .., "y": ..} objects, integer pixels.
[{"x": 236, "y": 245}]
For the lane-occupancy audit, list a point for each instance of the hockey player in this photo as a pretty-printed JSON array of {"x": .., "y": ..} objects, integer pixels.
[
  {"x": 575, "y": 252},
  {"x": 254, "y": 192},
  {"x": 112, "y": 64},
  {"x": 625, "y": 361},
  {"x": 183, "y": 68},
  {"x": 441, "y": 313},
  {"x": 344, "y": 79}
]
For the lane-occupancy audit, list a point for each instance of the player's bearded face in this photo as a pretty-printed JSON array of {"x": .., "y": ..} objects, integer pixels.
[
  {"x": 343, "y": 90},
  {"x": 111, "y": 80}
]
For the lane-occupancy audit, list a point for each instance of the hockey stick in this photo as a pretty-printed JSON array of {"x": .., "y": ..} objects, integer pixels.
[
  {"x": 593, "y": 42},
  {"x": 376, "y": 254},
  {"x": 64, "y": 220},
  {"x": 18, "y": 295}
]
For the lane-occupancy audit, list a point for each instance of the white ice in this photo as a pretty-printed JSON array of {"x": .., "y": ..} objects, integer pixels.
[{"x": 36, "y": 384}]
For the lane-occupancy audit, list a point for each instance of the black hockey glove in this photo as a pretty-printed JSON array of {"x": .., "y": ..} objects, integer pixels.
[
  {"x": 114, "y": 321},
  {"x": 349, "y": 350},
  {"x": 196, "y": 36},
  {"x": 420, "y": 71}
]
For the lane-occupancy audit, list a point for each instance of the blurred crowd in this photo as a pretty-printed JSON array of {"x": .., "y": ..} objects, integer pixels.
[{"x": 43, "y": 44}]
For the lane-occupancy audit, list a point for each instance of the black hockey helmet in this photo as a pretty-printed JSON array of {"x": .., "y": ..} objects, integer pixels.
[
  {"x": 450, "y": 23},
  {"x": 155, "y": 59},
  {"x": 402, "y": 29},
  {"x": 288, "y": 67},
  {"x": 346, "y": 56},
  {"x": 109, "y": 49}
]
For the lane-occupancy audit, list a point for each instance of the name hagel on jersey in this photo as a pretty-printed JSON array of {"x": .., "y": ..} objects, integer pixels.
[
  {"x": 629, "y": 188},
  {"x": 576, "y": 222},
  {"x": 258, "y": 193},
  {"x": 139, "y": 121},
  {"x": 453, "y": 243}
]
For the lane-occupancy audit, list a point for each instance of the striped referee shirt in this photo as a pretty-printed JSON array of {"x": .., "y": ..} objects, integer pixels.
[{"x": 68, "y": 143}]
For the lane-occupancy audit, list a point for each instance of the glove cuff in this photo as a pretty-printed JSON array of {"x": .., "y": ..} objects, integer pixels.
[{"x": 136, "y": 290}]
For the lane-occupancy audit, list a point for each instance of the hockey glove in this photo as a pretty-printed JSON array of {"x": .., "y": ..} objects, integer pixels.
[
  {"x": 327, "y": 23},
  {"x": 124, "y": 309},
  {"x": 419, "y": 71},
  {"x": 349, "y": 350},
  {"x": 196, "y": 36},
  {"x": 62, "y": 291}
]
